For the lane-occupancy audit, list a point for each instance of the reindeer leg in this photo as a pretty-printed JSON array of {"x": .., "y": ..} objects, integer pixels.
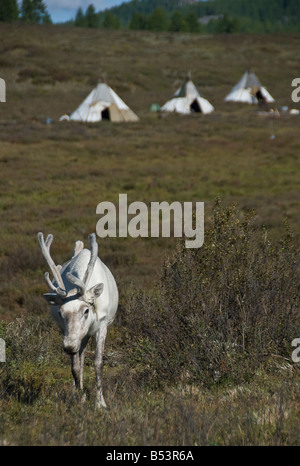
[
  {"x": 100, "y": 343},
  {"x": 77, "y": 365},
  {"x": 81, "y": 360}
]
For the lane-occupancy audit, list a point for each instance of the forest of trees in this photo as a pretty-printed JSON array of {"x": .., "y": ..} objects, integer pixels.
[
  {"x": 30, "y": 11},
  {"x": 222, "y": 16},
  {"x": 211, "y": 16}
]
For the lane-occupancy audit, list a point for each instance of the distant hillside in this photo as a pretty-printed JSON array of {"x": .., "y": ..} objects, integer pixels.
[
  {"x": 125, "y": 11},
  {"x": 247, "y": 16}
]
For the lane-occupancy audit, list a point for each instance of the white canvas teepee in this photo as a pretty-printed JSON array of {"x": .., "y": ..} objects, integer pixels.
[
  {"x": 249, "y": 90},
  {"x": 187, "y": 99},
  {"x": 103, "y": 104}
]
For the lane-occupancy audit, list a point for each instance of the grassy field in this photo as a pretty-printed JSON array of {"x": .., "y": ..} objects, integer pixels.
[{"x": 54, "y": 175}]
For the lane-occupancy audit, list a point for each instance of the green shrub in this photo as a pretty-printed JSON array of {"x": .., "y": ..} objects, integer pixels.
[
  {"x": 34, "y": 358},
  {"x": 220, "y": 311}
]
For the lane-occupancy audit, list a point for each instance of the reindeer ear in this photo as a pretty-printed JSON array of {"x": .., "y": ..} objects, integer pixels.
[
  {"x": 93, "y": 293},
  {"x": 51, "y": 298}
]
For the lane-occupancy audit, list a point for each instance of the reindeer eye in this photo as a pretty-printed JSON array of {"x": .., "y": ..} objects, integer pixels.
[{"x": 86, "y": 312}]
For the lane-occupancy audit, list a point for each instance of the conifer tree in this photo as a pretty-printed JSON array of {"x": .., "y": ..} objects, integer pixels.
[
  {"x": 80, "y": 20},
  {"x": 34, "y": 11},
  {"x": 158, "y": 20},
  {"x": 91, "y": 17},
  {"x": 9, "y": 10}
]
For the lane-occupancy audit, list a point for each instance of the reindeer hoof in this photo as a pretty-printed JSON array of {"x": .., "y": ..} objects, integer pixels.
[{"x": 100, "y": 403}]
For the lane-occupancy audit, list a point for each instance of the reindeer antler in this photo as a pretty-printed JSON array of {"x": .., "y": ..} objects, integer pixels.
[
  {"x": 82, "y": 284},
  {"x": 45, "y": 248}
]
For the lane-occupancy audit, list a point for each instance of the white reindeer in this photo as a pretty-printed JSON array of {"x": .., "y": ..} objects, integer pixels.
[{"x": 82, "y": 311}]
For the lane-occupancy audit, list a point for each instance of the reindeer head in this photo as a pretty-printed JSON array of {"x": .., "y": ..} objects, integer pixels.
[{"x": 74, "y": 310}]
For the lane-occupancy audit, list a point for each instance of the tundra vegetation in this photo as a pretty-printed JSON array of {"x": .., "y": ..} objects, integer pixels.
[{"x": 200, "y": 351}]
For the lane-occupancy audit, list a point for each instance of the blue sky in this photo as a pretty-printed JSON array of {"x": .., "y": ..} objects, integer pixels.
[{"x": 62, "y": 10}]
